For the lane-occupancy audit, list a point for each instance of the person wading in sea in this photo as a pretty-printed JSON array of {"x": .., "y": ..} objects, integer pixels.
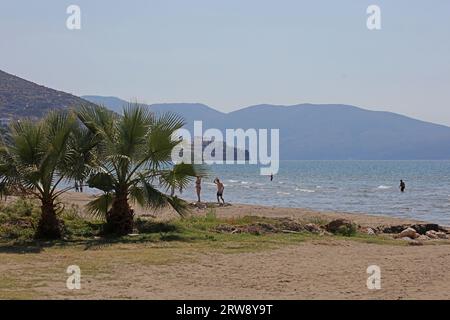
[{"x": 402, "y": 186}]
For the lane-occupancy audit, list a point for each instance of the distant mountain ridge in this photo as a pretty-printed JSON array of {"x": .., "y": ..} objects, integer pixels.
[
  {"x": 23, "y": 98},
  {"x": 307, "y": 131},
  {"x": 327, "y": 131}
]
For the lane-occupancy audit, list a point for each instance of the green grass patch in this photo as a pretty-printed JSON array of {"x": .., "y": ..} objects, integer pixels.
[{"x": 19, "y": 219}]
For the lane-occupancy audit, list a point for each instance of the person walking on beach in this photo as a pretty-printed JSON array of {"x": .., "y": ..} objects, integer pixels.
[
  {"x": 198, "y": 187},
  {"x": 402, "y": 186},
  {"x": 220, "y": 188},
  {"x": 77, "y": 189},
  {"x": 271, "y": 177}
]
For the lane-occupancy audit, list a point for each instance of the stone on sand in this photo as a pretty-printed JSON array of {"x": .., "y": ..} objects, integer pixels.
[
  {"x": 436, "y": 235},
  {"x": 423, "y": 237},
  {"x": 408, "y": 233}
]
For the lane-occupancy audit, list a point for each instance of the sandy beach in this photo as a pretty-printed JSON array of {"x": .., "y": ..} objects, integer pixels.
[
  {"x": 329, "y": 268},
  {"x": 239, "y": 210}
]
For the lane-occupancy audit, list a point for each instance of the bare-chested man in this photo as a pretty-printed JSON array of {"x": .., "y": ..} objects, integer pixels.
[{"x": 220, "y": 188}]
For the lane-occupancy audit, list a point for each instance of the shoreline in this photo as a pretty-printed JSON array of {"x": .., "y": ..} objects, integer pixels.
[{"x": 240, "y": 209}]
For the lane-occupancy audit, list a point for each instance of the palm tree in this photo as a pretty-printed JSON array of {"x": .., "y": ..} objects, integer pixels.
[
  {"x": 134, "y": 164},
  {"x": 37, "y": 158}
]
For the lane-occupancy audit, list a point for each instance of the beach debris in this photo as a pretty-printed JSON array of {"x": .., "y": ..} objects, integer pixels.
[
  {"x": 368, "y": 231},
  {"x": 392, "y": 229},
  {"x": 279, "y": 225},
  {"x": 436, "y": 235},
  {"x": 408, "y": 233},
  {"x": 208, "y": 205},
  {"x": 418, "y": 231},
  {"x": 198, "y": 205},
  {"x": 338, "y": 225},
  {"x": 314, "y": 228},
  {"x": 226, "y": 228},
  {"x": 420, "y": 228},
  {"x": 423, "y": 237},
  {"x": 412, "y": 242},
  {"x": 423, "y": 228},
  {"x": 255, "y": 229},
  {"x": 289, "y": 224}
]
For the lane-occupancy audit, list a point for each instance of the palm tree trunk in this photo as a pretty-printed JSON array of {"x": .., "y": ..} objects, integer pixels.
[
  {"x": 119, "y": 219},
  {"x": 49, "y": 226}
]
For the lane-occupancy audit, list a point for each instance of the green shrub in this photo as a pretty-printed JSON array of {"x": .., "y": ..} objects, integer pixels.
[
  {"x": 347, "y": 230},
  {"x": 76, "y": 226},
  {"x": 18, "y": 219}
]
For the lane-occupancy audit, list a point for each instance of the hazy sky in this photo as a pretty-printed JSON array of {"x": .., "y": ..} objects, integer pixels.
[{"x": 234, "y": 53}]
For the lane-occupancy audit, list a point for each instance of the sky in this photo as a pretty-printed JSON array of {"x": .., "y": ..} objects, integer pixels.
[{"x": 230, "y": 54}]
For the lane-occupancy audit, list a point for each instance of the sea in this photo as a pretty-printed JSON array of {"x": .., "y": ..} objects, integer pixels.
[{"x": 368, "y": 187}]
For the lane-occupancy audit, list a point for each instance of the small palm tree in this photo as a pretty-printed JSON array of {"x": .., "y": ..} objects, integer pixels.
[
  {"x": 134, "y": 164},
  {"x": 38, "y": 157}
]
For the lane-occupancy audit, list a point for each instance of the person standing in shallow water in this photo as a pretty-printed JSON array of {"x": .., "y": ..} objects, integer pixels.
[
  {"x": 402, "y": 186},
  {"x": 220, "y": 188},
  {"x": 198, "y": 187}
]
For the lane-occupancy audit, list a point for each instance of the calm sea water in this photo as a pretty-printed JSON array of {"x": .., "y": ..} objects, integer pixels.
[{"x": 349, "y": 186}]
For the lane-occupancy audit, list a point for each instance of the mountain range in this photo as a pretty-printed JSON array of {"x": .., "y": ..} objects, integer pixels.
[
  {"x": 321, "y": 131},
  {"x": 307, "y": 131},
  {"x": 22, "y": 98}
]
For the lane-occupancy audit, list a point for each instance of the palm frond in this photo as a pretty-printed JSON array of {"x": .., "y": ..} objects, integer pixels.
[
  {"x": 149, "y": 197},
  {"x": 102, "y": 181},
  {"x": 100, "y": 206},
  {"x": 133, "y": 128},
  {"x": 179, "y": 176}
]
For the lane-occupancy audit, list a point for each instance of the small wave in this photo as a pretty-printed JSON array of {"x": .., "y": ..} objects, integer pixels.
[
  {"x": 384, "y": 187},
  {"x": 283, "y": 193},
  {"x": 305, "y": 190},
  {"x": 233, "y": 181},
  {"x": 244, "y": 182}
]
